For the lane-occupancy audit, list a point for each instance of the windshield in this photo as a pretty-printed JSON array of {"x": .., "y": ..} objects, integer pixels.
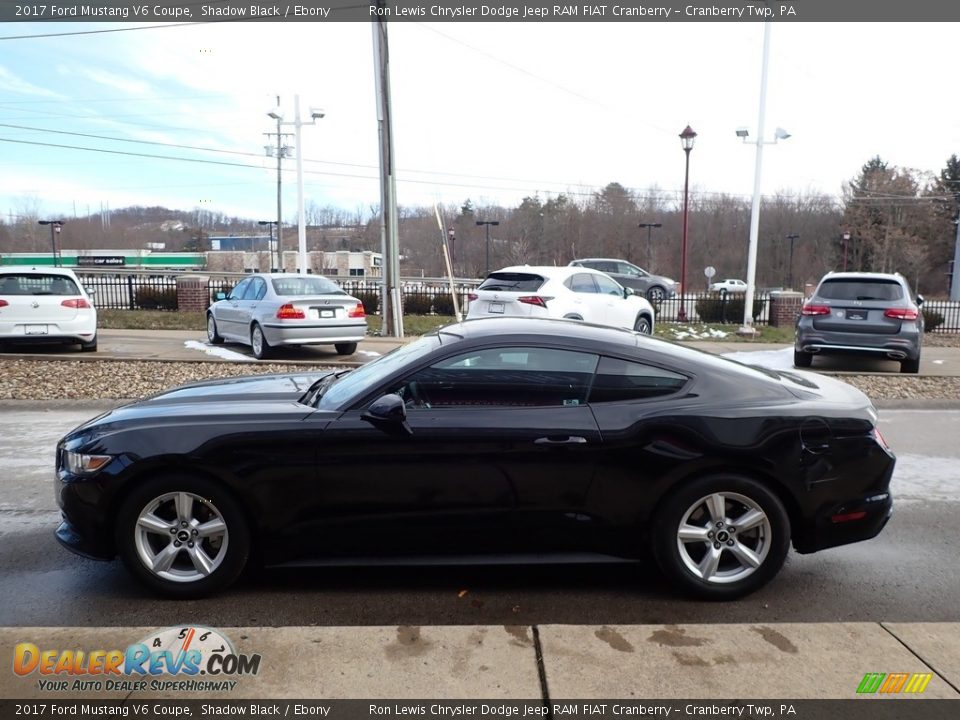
[{"x": 351, "y": 386}]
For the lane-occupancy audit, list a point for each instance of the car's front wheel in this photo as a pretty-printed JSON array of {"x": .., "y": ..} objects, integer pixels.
[
  {"x": 656, "y": 294},
  {"x": 213, "y": 335},
  {"x": 182, "y": 536},
  {"x": 642, "y": 325},
  {"x": 721, "y": 537},
  {"x": 258, "y": 343}
]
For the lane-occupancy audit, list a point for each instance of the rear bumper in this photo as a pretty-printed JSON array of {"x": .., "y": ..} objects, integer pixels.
[
  {"x": 65, "y": 332},
  {"x": 314, "y": 334},
  {"x": 831, "y": 531},
  {"x": 896, "y": 347}
]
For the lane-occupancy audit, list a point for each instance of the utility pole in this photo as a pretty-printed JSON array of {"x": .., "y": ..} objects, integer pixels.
[
  {"x": 281, "y": 151},
  {"x": 791, "y": 237},
  {"x": 650, "y": 227},
  {"x": 955, "y": 275}
]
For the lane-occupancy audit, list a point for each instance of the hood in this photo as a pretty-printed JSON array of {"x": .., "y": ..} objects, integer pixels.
[{"x": 246, "y": 389}]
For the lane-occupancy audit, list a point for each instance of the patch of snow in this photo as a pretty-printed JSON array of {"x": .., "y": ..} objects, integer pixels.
[
  {"x": 219, "y": 352},
  {"x": 371, "y": 353},
  {"x": 774, "y": 359}
]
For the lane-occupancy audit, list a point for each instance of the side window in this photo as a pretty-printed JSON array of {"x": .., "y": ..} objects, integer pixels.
[
  {"x": 503, "y": 377},
  {"x": 608, "y": 286},
  {"x": 239, "y": 290},
  {"x": 255, "y": 290},
  {"x": 627, "y": 269},
  {"x": 581, "y": 283},
  {"x": 622, "y": 380}
]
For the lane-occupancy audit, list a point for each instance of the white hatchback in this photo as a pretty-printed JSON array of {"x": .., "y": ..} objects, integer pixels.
[
  {"x": 46, "y": 305},
  {"x": 574, "y": 293}
]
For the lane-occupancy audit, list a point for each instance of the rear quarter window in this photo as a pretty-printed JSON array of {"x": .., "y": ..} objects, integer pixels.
[{"x": 622, "y": 380}]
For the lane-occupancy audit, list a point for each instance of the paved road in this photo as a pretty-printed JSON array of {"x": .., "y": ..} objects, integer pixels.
[{"x": 907, "y": 574}]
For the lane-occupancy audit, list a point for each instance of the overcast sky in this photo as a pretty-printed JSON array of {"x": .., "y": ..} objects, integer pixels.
[{"x": 486, "y": 111}]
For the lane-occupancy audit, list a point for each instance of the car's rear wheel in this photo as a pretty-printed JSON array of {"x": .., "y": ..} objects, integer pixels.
[
  {"x": 182, "y": 536},
  {"x": 89, "y": 346},
  {"x": 721, "y": 537},
  {"x": 642, "y": 325},
  {"x": 345, "y": 348},
  {"x": 802, "y": 359},
  {"x": 656, "y": 294},
  {"x": 213, "y": 335},
  {"x": 910, "y": 366},
  {"x": 258, "y": 343}
]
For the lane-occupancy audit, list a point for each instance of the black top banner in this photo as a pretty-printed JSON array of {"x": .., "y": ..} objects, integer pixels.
[{"x": 192, "y": 11}]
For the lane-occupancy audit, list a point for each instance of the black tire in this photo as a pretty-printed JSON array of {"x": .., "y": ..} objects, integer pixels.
[
  {"x": 89, "y": 346},
  {"x": 656, "y": 294},
  {"x": 227, "y": 552},
  {"x": 259, "y": 345},
  {"x": 213, "y": 335},
  {"x": 345, "y": 348},
  {"x": 802, "y": 359},
  {"x": 910, "y": 366},
  {"x": 643, "y": 325},
  {"x": 768, "y": 540}
]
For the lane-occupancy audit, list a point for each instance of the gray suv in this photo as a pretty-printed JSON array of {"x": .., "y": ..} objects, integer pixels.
[
  {"x": 654, "y": 287},
  {"x": 860, "y": 313}
]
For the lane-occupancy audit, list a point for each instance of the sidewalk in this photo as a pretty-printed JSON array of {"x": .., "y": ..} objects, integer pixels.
[{"x": 762, "y": 661}]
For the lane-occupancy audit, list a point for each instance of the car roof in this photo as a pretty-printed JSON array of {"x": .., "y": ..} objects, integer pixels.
[
  {"x": 550, "y": 271},
  {"x": 20, "y": 270},
  {"x": 852, "y": 275},
  {"x": 596, "y": 259}
]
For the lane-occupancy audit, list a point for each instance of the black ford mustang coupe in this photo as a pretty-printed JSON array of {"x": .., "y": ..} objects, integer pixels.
[{"x": 495, "y": 440}]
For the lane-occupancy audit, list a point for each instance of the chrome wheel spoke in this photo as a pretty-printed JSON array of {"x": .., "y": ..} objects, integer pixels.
[
  {"x": 163, "y": 560},
  {"x": 717, "y": 507},
  {"x": 746, "y": 556},
  {"x": 749, "y": 520},
  {"x": 211, "y": 528},
  {"x": 151, "y": 523},
  {"x": 201, "y": 561},
  {"x": 693, "y": 533},
  {"x": 710, "y": 563},
  {"x": 184, "y": 503}
]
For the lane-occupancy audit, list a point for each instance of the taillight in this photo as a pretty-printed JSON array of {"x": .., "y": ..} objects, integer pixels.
[
  {"x": 471, "y": 297},
  {"x": 3, "y": 303},
  {"x": 357, "y": 311},
  {"x": 901, "y": 313},
  {"x": 289, "y": 312},
  {"x": 77, "y": 303},
  {"x": 880, "y": 439},
  {"x": 810, "y": 309},
  {"x": 848, "y": 517},
  {"x": 534, "y": 300}
]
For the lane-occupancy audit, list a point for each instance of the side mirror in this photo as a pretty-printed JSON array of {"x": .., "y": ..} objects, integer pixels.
[
  {"x": 220, "y": 296},
  {"x": 388, "y": 413},
  {"x": 627, "y": 292},
  {"x": 919, "y": 299}
]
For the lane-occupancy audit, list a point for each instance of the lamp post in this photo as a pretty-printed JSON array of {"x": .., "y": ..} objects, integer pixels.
[
  {"x": 451, "y": 233},
  {"x": 650, "y": 227},
  {"x": 55, "y": 226},
  {"x": 686, "y": 140},
  {"x": 846, "y": 240},
  {"x": 791, "y": 237},
  {"x": 297, "y": 123},
  {"x": 271, "y": 225},
  {"x": 488, "y": 223}
]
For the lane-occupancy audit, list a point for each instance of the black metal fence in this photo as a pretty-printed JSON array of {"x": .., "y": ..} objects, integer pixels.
[{"x": 425, "y": 297}]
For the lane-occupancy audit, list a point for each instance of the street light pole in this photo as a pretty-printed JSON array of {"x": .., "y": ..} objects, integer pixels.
[
  {"x": 650, "y": 227},
  {"x": 686, "y": 140},
  {"x": 271, "y": 224},
  {"x": 791, "y": 237},
  {"x": 55, "y": 226},
  {"x": 451, "y": 233},
  {"x": 488, "y": 223}
]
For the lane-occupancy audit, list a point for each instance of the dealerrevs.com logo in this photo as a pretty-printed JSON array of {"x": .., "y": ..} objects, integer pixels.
[
  {"x": 186, "y": 659},
  {"x": 894, "y": 683}
]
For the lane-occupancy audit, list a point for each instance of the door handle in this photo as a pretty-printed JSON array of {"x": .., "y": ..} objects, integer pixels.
[{"x": 554, "y": 441}]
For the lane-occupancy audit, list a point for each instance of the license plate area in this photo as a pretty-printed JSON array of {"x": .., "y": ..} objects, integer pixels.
[
  {"x": 322, "y": 313},
  {"x": 496, "y": 307},
  {"x": 35, "y": 330},
  {"x": 856, "y": 315}
]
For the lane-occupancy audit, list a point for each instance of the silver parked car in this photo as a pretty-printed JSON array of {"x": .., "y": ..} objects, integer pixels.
[
  {"x": 46, "y": 306},
  {"x": 861, "y": 313},
  {"x": 655, "y": 288},
  {"x": 268, "y": 310}
]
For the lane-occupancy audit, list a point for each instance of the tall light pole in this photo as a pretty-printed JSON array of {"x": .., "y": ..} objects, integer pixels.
[
  {"x": 488, "y": 223},
  {"x": 452, "y": 235},
  {"x": 743, "y": 133},
  {"x": 955, "y": 275},
  {"x": 297, "y": 123},
  {"x": 791, "y": 237},
  {"x": 650, "y": 227},
  {"x": 686, "y": 140},
  {"x": 55, "y": 226},
  {"x": 271, "y": 224}
]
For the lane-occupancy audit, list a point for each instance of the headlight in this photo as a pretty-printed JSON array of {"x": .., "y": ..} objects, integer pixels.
[{"x": 79, "y": 464}]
